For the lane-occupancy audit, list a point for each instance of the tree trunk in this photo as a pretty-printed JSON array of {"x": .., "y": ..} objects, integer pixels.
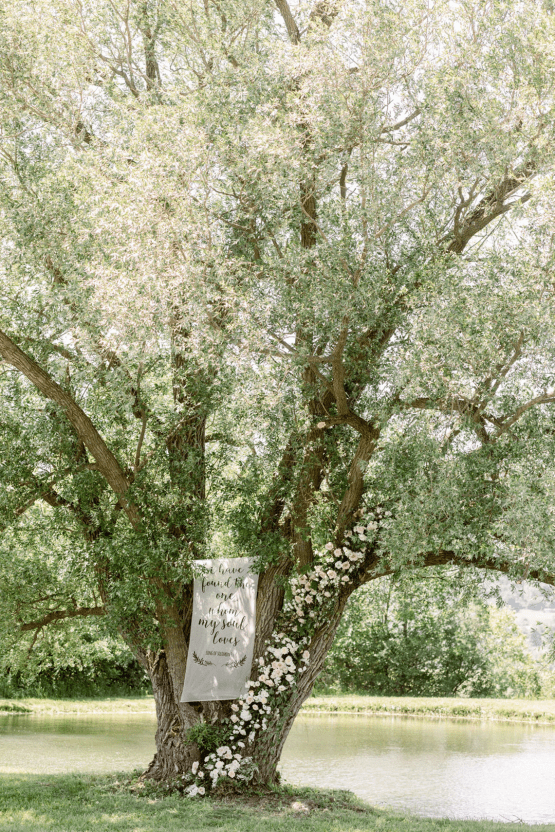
[
  {"x": 269, "y": 744},
  {"x": 259, "y": 742},
  {"x": 174, "y": 754}
]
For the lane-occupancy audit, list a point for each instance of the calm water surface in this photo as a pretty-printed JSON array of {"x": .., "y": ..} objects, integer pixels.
[{"x": 434, "y": 768}]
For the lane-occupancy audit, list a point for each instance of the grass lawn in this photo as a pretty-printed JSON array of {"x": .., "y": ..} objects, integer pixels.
[
  {"x": 119, "y": 705},
  {"x": 109, "y": 804}
]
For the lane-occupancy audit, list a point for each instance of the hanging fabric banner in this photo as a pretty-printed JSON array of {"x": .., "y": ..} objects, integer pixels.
[{"x": 222, "y": 630}]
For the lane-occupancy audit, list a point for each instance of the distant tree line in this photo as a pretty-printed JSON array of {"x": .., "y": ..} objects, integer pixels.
[
  {"x": 75, "y": 659},
  {"x": 439, "y": 636}
]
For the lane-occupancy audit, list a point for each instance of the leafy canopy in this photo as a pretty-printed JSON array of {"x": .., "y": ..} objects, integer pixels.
[{"x": 267, "y": 270}]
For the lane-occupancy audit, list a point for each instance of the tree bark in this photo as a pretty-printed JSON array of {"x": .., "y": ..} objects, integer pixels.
[
  {"x": 174, "y": 753},
  {"x": 269, "y": 746}
]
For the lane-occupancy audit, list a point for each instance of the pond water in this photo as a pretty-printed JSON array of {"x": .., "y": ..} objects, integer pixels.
[{"x": 434, "y": 768}]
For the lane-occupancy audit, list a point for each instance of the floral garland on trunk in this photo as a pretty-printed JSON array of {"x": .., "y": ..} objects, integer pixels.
[{"x": 309, "y": 607}]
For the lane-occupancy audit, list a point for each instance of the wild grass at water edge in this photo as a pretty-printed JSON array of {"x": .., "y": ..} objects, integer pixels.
[{"x": 540, "y": 711}]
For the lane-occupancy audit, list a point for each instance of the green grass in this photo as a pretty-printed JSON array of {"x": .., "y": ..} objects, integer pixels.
[
  {"x": 511, "y": 710},
  {"x": 108, "y": 804},
  {"x": 13, "y": 708},
  {"x": 120, "y": 705}
]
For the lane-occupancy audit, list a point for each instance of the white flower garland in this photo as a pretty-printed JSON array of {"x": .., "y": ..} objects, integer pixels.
[{"x": 312, "y": 595}]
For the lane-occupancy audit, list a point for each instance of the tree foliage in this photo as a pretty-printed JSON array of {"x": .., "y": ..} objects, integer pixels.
[
  {"x": 270, "y": 271},
  {"x": 435, "y": 636},
  {"x": 73, "y": 659}
]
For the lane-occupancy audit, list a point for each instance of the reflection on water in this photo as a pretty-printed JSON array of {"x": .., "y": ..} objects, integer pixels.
[
  {"x": 61, "y": 744},
  {"x": 435, "y": 768}
]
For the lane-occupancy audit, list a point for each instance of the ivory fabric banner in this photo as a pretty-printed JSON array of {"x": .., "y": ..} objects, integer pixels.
[{"x": 222, "y": 630}]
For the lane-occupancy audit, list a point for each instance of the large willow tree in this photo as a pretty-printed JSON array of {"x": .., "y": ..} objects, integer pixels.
[{"x": 277, "y": 280}]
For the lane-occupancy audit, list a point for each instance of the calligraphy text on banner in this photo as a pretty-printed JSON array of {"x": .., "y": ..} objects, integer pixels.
[{"x": 222, "y": 629}]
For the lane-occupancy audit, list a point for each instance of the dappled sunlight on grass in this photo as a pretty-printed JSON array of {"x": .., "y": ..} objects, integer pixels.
[{"x": 105, "y": 804}]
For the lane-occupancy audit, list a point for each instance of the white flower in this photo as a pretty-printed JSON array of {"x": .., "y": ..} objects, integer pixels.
[
  {"x": 234, "y": 707},
  {"x": 331, "y": 574},
  {"x": 192, "y": 791},
  {"x": 219, "y": 764},
  {"x": 345, "y": 578},
  {"x": 194, "y": 767},
  {"x": 201, "y": 790},
  {"x": 223, "y": 751},
  {"x": 338, "y": 564},
  {"x": 329, "y": 547},
  {"x": 359, "y": 529},
  {"x": 289, "y": 678},
  {"x": 281, "y": 687},
  {"x": 321, "y": 425},
  {"x": 306, "y": 655},
  {"x": 245, "y": 716},
  {"x": 231, "y": 773},
  {"x": 234, "y": 718},
  {"x": 337, "y": 553},
  {"x": 327, "y": 594},
  {"x": 241, "y": 744}
]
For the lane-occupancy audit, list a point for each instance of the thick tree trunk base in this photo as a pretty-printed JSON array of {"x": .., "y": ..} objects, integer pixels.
[{"x": 175, "y": 754}]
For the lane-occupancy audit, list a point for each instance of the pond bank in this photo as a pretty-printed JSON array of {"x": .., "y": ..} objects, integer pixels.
[
  {"x": 81, "y": 803},
  {"x": 541, "y": 711}
]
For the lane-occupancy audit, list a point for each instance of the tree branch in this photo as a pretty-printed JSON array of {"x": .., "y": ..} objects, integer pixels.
[
  {"x": 509, "y": 421},
  {"x": 46, "y": 491},
  {"x": 353, "y": 493},
  {"x": 397, "y": 126},
  {"x": 60, "y": 615},
  {"x": 372, "y": 570},
  {"x": 288, "y": 19},
  {"x": 492, "y": 205},
  {"x": 108, "y": 465}
]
